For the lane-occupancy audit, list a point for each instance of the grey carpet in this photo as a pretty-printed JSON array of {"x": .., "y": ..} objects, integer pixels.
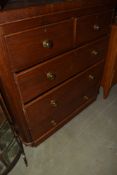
[{"x": 85, "y": 146}]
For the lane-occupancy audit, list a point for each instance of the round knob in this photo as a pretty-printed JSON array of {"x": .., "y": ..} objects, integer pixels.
[
  {"x": 96, "y": 27},
  {"x": 53, "y": 103},
  {"x": 53, "y": 123},
  {"x": 86, "y": 97},
  {"x": 47, "y": 43},
  {"x": 91, "y": 77},
  {"x": 94, "y": 52},
  {"x": 51, "y": 76}
]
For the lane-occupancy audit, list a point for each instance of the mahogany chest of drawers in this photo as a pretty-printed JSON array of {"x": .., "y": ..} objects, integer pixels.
[{"x": 51, "y": 62}]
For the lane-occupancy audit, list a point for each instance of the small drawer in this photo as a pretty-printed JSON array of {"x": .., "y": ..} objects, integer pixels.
[
  {"x": 33, "y": 46},
  {"x": 92, "y": 27},
  {"x": 41, "y": 78},
  {"x": 61, "y": 101}
]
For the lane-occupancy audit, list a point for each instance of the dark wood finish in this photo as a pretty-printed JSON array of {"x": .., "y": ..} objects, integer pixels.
[
  {"x": 32, "y": 40},
  {"x": 32, "y": 20},
  {"x": 92, "y": 27},
  {"x": 12, "y": 96},
  {"x": 34, "y": 81},
  {"x": 43, "y": 114},
  {"x": 28, "y": 3},
  {"x": 48, "y": 54},
  {"x": 28, "y": 12},
  {"x": 110, "y": 70}
]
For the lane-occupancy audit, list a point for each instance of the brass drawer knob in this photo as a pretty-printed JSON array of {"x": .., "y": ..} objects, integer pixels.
[
  {"x": 50, "y": 76},
  {"x": 53, "y": 103},
  {"x": 47, "y": 43},
  {"x": 53, "y": 123},
  {"x": 96, "y": 27},
  {"x": 86, "y": 97},
  {"x": 95, "y": 53},
  {"x": 91, "y": 77}
]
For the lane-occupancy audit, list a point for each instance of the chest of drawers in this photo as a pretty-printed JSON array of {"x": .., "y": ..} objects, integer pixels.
[{"x": 51, "y": 63}]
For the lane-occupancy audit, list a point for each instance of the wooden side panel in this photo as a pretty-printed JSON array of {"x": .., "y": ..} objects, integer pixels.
[{"x": 11, "y": 95}]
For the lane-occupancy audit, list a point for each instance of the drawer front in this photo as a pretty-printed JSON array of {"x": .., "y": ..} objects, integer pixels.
[
  {"x": 33, "y": 46},
  {"x": 41, "y": 78},
  {"x": 61, "y": 101},
  {"x": 92, "y": 27}
]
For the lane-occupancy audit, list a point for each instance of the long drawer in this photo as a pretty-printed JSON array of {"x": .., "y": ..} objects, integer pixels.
[
  {"x": 54, "y": 106},
  {"x": 41, "y": 78},
  {"x": 92, "y": 26},
  {"x": 29, "y": 47}
]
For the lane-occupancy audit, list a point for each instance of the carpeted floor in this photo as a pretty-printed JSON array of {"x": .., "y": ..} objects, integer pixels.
[{"x": 85, "y": 146}]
